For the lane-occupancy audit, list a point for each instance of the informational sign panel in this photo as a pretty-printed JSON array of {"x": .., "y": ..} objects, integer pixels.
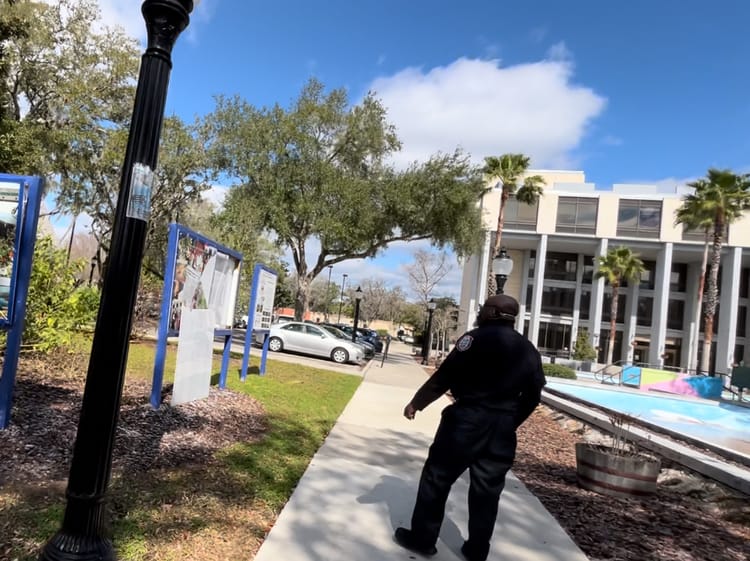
[
  {"x": 9, "y": 196},
  {"x": 266, "y": 289},
  {"x": 202, "y": 276},
  {"x": 260, "y": 314}
]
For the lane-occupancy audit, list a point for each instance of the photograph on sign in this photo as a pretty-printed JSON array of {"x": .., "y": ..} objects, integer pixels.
[
  {"x": 8, "y": 221},
  {"x": 204, "y": 279}
]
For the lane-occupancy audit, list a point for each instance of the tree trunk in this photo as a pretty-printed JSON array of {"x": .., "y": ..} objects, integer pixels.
[
  {"x": 712, "y": 295},
  {"x": 491, "y": 284},
  {"x": 613, "y": 323},
  {"x": 701, "y": 288},
  {"x": 301, "y": 298}
]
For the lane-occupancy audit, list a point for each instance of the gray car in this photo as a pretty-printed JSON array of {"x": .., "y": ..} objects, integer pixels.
[{"x": 310, "y": 339}]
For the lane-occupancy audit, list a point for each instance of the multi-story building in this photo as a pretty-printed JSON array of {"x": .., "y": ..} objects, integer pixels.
[{"x": 554, "y": 245}]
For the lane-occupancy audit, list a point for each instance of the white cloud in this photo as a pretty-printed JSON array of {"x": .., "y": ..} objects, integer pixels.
[
  {"x": 488, "y": 109},
  {"x": 560, "y": 52},
  {"x": 215, "y": 195}
]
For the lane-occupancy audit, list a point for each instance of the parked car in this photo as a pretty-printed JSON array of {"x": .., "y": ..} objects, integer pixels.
[
  {"x": 372, "y": 337},
  {"x": 369, "y": 348},
  {"x": 241, "y": 323},
  {"x": 312, "y": 339},
  {"x": 408, "y": 339}
]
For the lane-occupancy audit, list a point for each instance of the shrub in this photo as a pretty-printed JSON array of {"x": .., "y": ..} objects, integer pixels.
[
  {"x": 583, "y": 350},
  {"x": 558, "y": 371}
]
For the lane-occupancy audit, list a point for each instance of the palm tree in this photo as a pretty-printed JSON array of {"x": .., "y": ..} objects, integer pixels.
[
  {"x": 618, "y": 266},
  {"x": 693, "y": 215},
  {"x": 723, "y": 196},
  {"x": 509, "y": 169}
]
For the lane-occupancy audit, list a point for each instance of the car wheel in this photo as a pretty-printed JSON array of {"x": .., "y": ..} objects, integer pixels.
[
  {"x": 275, "y": 344},
  {"x": 339, "y": 355}
]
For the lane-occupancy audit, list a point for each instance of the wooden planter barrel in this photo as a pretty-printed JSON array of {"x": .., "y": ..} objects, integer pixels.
[{"x": 603, "y": 471}]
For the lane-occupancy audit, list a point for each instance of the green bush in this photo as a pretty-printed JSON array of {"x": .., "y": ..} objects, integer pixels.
[
  {"x": 57, "y": 306},
  {"x": 558, "y": 371},
  {"x": 583, "y": 350}
]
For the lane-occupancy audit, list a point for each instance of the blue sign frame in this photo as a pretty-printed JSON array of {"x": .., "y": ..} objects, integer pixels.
[
  {"x": 176, "y": 232},
  {"x": 29, "y": 201},
  {"x": 251, "y": 321}
]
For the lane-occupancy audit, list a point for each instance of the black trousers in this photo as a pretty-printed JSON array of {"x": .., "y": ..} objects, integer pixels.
[{"x": 482, "y": 440}]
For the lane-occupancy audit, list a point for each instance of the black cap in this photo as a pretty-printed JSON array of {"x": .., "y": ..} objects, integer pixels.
[{"x": 500, "y": 306}]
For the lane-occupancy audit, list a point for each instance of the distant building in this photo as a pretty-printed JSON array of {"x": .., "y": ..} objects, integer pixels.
[{"x": 554, "y": 245}]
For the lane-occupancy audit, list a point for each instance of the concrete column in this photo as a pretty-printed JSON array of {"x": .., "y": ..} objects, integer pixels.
[
  {"x": 524, "y": 289},
  {"x": 597, "y": 296},
  {"x": 691, "y": 320},
  {"x": 631, "y": 321},
  {"x": 661, "y": 301},
  {"x": 483, "y": 270},
  {"x": 536, "y": 295},
  {"x": 729, "y": 297},
  {"x": 576, "y": 302}
]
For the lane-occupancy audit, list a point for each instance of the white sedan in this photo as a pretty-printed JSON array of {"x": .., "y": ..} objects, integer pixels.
[{"x": 310, "y": 339}]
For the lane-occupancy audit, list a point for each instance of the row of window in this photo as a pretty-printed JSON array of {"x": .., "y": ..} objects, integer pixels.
[{"x": 577, "y": 215}]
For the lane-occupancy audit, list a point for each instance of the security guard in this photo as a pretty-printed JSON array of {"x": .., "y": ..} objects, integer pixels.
[{"x": 495, "y": 376}]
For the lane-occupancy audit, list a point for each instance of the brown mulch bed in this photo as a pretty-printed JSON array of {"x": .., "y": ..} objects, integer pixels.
[
  {"x": 38, "y": 445},
  {"x": 690, "y": 518}
]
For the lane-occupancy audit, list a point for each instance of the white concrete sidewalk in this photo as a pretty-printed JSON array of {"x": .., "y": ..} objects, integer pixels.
[{"x": 362, "y": 483}]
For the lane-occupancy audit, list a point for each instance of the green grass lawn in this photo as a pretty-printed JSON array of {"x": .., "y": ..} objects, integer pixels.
[{"x": 214, "y": 512}]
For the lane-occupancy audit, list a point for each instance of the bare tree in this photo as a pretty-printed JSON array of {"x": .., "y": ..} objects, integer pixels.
[{"x": 426, "y": 272}]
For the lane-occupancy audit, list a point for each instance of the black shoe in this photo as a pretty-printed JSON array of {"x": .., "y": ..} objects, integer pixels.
[
  {"x": 406, "y": 539},
  {"x": 470, "y": 554}
]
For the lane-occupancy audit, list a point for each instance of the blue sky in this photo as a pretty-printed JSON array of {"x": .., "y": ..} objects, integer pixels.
[{"x": 636, "y": 91}]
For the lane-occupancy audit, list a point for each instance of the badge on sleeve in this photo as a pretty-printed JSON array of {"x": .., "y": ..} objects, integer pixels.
[{"x": 464, "y": 343}]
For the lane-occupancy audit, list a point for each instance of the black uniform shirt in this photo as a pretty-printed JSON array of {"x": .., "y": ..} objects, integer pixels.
[{"x": 492, "y": 366}]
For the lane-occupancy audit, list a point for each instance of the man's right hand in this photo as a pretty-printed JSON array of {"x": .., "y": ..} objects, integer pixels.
[{"x": 410, "y": 411}]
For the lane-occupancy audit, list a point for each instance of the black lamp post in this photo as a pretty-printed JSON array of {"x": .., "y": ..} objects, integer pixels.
[
  {"x": 82, "y": 535},
  {"x": 91, "y": 273},
  {"x": 431, "y": 305},
  {"x": 357, "y": 299},
  {"x": 328, "y": 292},
  {"x": 341, "y": 300},
  {"x": 502, "y": 265}
]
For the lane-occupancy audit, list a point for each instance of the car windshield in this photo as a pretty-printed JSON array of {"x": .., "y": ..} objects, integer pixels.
[{"x": 335, "y": 332}]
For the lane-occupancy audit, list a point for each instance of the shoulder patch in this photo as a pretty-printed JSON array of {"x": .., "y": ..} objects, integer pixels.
[{"x": 464, "y": 342}]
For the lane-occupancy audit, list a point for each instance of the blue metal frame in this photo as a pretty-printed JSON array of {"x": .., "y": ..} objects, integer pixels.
[
  {"x": 251, "y": 320},
  {"x": 29, "y": 200},
  {"x": 176, "y": 232}
]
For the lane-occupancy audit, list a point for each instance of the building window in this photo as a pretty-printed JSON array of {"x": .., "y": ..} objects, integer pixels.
[
  {"x": 588, "y": 269},
  {"x": 520, "y": 216},
  {"x": 741, "y": 321},
  {"x": 558, "y": 301},
  {"x": 675, "y": 314},
  {"x": 607, "y": 308},
  {"x": 603, "y": 342},
  {"x": 532, "y": 263},
  {"x": 561, "y": 266},
  {"x": 553, "y": 337},
  {"x": 576, "y": 215},
  {"x": 583, "y": 308},
  {"x": 640, "y": 219},
  {"x": 678, "y": 277},
  {"x": 739, "y": 354},
  {"x": 648, "y": 276},
  {"x": 529, "y": 293},
  {"x": 645, "y": 310}
]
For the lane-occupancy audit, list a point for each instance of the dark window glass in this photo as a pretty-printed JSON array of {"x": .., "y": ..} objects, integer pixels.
[
  {"x": 744, "y": 283},
  {"x": 553, "y": 337},
  {"x": 678, "y": 277},
  {"x": 648, "y": 276},
  {"x": 675, "y": 314},
  {"x": 561, "y": 266},
  {"x": 645, "y": 310},
  {"x": 529, "y": 293},
  {"x": 637, "y": 218},
  {"x": 532, "y": 264},
  {"x": 741, "y": 321},
  {"x": 558, "y": 301},
  {"x": 576, "y": 215},
  {"x": 739, "y": 354},
  {"x": 607, "y": 307},
  {"x": 583, "y": 312},
  {"x": 588, "y": 269},
  {"x": 296, "y": 327},
  {"x": 314, "y": 331}
]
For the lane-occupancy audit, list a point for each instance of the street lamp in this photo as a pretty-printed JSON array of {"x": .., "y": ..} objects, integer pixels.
[
  {"x": 341, "y": 300},
  {"x": 431, "y": 305},
  {"x": 357, "y": 298},
  {"x": 93, "y": 267},
  {"x": 502, "y": 265},
  {"x": 82, "y": 535},
  {"x": 328, "y": 292}
]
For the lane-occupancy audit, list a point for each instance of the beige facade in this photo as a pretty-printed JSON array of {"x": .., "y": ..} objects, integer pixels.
[{"x": 554, "y": 246}]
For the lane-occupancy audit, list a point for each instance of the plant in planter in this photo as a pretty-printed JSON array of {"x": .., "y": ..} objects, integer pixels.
[
  {"x": 618, "y": 469},
  {"x": 584, "y": 350}
]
